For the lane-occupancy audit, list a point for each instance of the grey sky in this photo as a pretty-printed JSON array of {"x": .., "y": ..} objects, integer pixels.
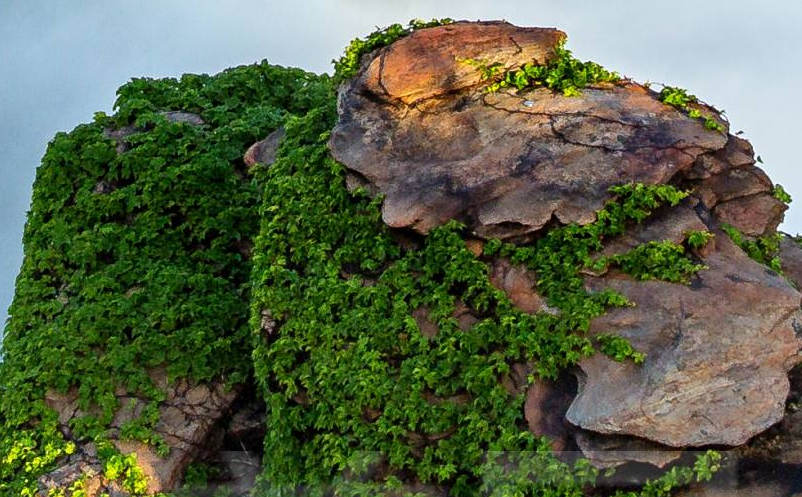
[{"x": 60, "y": 61}]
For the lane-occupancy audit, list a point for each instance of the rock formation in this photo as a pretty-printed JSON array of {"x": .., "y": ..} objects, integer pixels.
[
  {"x": 417, "y": 128},
  {"x": 509, "y": 164}
]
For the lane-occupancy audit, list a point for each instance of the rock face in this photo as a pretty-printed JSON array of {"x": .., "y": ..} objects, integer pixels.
[
  {"x": 504, "y": 163},
  {"x": 415, "y": 127},
  {"x": 718, "y": 353},
  {"x": 264, "y": 151},
  {"x": 188, "y": 416}
]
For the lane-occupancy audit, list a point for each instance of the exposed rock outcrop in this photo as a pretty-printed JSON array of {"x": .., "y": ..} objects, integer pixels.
[
  {"x": 188, "y": 416},
  {"x": 509, "y": 164},
  {"x": 417, "y": 128},
  {"x": 505, "y": 163}
]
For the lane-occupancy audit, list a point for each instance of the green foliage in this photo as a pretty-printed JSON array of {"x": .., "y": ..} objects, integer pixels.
[
  {"x": 681, "y": 99},
  {"x": 677, "y": 97},
  {"x": 763, "y": 249},
  {"x": 126, "y": 470},
  {"x": 781, "y": 195},
  {"x": 350, "y": 374},
  {"x": 706, "y": 464},
  {"x": 132, "y": 261},
  {"x": 619, "y": 349},
  {"x": 698, "y": 239},
  {"x": 347, "y": 65},
  {"x": 564, "y": 73}
]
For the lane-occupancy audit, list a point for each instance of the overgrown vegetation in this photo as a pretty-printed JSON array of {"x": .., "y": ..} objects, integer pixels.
[
  {"x": 681, "y": 99},
  {"x": 134, "y": 262},
  {"x": 780, "y": 194},
  {"x": 563, "y": 73},
  {"x": 359, "y": 389}
]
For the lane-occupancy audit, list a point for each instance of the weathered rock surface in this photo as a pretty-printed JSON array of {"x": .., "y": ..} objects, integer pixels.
[
  {"x": 505, "y": 163},
  {"x": 264, "y": 151},
  {"x": 545, "y": 408},
  {"x": 518, "y": 283},
  {"x": 718, "y": 353},
  {"x": 428, "y": 62},
  {"x": 610, "y": 451},
  {"x": 188, "y": 416},
  {"x": 510, "y": 164},
  {"x": 791, "y": 257}
]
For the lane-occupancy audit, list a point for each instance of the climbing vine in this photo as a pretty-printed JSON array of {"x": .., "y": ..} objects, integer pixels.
[
  {"x": 563, "y": 73},
  {"x": 681, "y": 99},
  {"x": 355, "y": 385},
  {"x": 133, "y": 262},
  {"x": 762, "y": 249}
]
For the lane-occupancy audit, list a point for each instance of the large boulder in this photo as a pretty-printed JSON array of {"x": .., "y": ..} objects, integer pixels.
[
  {"x": 718, "y": 353},
  {"x": 512, "y": 164},
  {"x": 188, "y": 416},
  {"x": 505, "y": 163}
]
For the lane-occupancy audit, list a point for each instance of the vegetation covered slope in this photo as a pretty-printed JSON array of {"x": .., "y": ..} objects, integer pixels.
[{"x": 138, "y": 260}]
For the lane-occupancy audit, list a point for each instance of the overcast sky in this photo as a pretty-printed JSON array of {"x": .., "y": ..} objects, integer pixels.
[{"x": 60, "y": 61}]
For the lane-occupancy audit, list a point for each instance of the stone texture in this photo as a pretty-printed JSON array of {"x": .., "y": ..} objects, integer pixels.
[
  {"x": 427, "y": 63},
  {"x": 755, "y": 215},
  {"x": 545, "y": 407},
  {"x": 188, "y": 416},
  {"x": 264, "y": 151},
  {"x": 791, "y": 257},
  {"x": 718, "y": 352},
  {"x": 611, "y": 451},
  {"x": 519, "y": 284},
  {"x": 179, "y": 116},
  {"x": 507, "y": 164}
]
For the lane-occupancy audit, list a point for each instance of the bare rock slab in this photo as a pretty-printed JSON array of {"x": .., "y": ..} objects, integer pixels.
[{"x": 718, "y": 353}]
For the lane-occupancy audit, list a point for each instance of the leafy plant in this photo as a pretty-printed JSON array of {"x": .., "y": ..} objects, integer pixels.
[
  {"x": 780, "y": 194},
  {"x": 763, "y": 249},
  {"x": 563, "y": 73},
  {"x": 681, "y": 99},
  {"x": 698, "y": 239},
  {"x": 619, "y": 349},
  {"x": 132, "y": 261}
]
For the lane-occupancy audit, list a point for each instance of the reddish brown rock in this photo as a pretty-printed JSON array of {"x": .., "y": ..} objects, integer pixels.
[
  {"x": 736, "y": 153},
  {"x": 519, "y": 284},
  {"x": 755, "y": 215},
  {"x": 718, "y": 353},
  {"x": 791, "y": 259},
  {"x": 187, "y": 418},
  {"x": 545, "y": 407},
  {"x": 264, "y": 151},
  {"x": 428, "y": 62},
  {"x": 506, "y": 164}
]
